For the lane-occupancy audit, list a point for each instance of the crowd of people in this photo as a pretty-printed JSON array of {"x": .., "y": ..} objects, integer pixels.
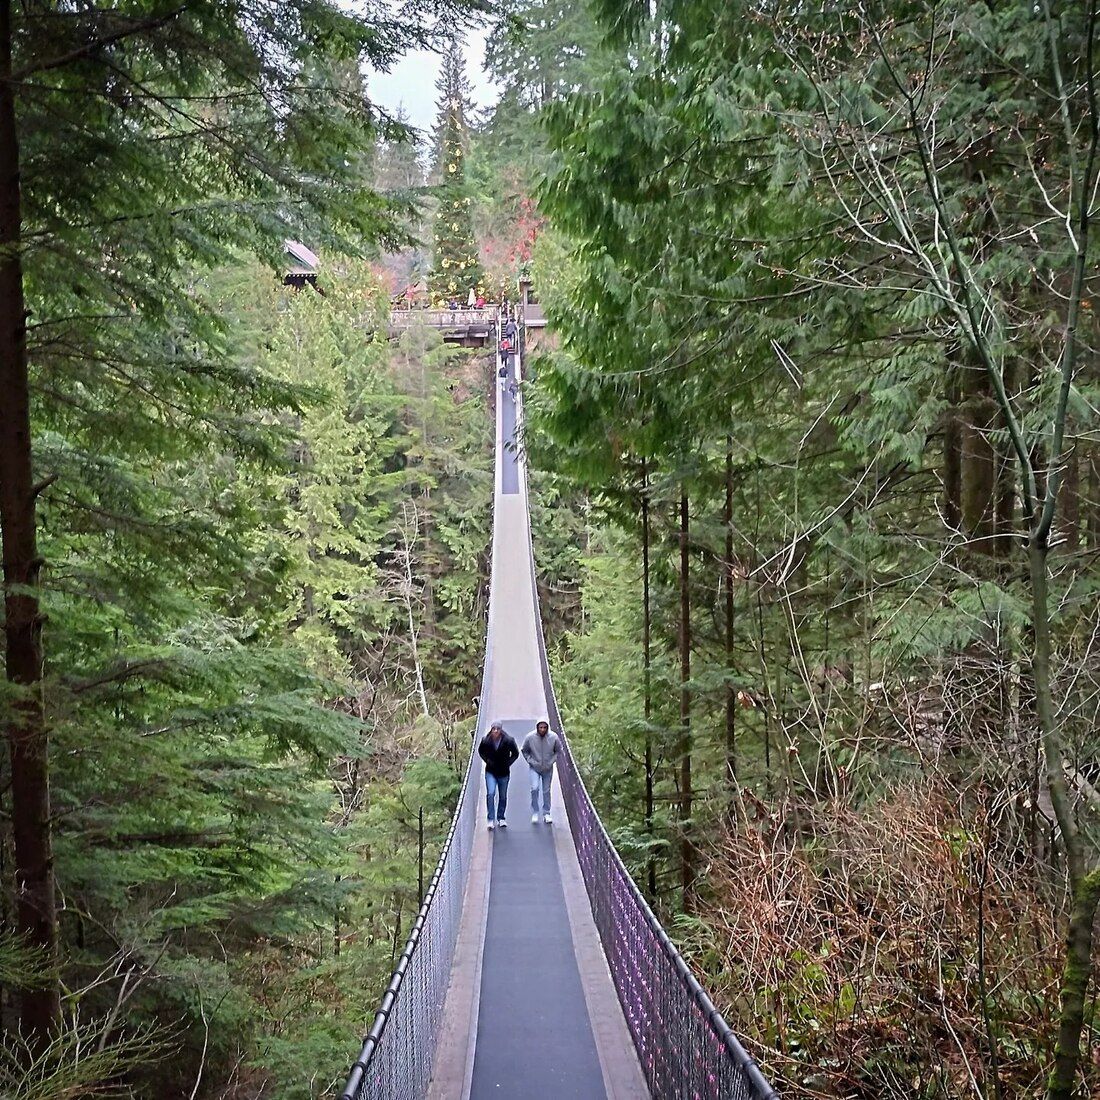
[
  {"x": 508, "y": 349},
  {"x": 416, "y": 297},
  {"x": 474, "y": 301},
  {"x": 541, "y": 750}
]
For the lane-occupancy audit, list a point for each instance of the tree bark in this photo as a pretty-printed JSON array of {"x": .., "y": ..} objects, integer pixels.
[
  {"x": 25, "y": 726},
  {"x": 1004, "y": 518},
  {"x": 952, "y": 451},
  {"x": 687, "y": 842},
  {"x": 731, "y": 694},
  {"x": 647, "y": 686},
  {"x": 1084, "y": 884},
  {"x": 1092, "y": 522},
  {"x": 978, "y": 463},
  {"x": 1076, "y": 974},
  {"x": 1071, "y": 501}
]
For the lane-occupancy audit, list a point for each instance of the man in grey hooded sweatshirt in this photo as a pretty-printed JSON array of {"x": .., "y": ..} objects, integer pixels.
[{"x": 541, "y": 749}]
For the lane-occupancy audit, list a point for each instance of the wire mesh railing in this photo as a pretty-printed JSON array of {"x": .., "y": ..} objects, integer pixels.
[
  {"x": 686, "y": 1049},
  {"x": 395, "y": 1062},
  {"x": 396, "y": 1059}
]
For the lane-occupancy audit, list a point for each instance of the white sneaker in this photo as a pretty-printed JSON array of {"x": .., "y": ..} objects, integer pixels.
[
  {"x": 502, "y": 823},
  {"x": 490, "y": 826},
  {"x": 548, "y": 819},
  {"x": 534, "y": 819}
]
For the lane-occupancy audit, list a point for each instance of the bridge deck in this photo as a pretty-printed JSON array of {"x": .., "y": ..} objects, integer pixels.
[
  {"x": 534, "y": 1036},
  {"x": 532, "y": 1013}
]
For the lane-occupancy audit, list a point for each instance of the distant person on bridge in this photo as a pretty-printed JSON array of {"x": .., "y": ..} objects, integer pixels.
[
  {"x": 541, "y": 749},
  {"x": 499, "y": 752}
]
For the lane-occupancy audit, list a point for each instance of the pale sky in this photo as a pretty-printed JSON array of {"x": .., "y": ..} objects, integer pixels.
[{"x": 411, "y": 82}]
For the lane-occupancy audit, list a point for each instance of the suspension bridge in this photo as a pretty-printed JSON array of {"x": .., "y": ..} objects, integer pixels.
[{"x": 535, "y": 969}]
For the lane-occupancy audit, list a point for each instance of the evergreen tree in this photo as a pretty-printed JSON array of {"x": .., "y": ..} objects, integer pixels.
[
  {"x": 540, "y": 50},
  {"x": 397, "y": 165},
  {"x": 456, "y": 266},
  {"x": 140, "y": 145},
  {"x": 399, "y": 173},
  {"x": 453, "y": 86}
]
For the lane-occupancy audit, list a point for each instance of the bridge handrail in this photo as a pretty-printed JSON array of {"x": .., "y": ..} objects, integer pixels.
[
  {"x": 442, "y": 318},
  {"x": 684, "y": 1045},
  {"x": 401, "y": 1042},
  {"x": 404, "y": 1050}
]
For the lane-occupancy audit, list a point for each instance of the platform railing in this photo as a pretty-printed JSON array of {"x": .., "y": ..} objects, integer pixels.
[{"x": 443, "y": 318}]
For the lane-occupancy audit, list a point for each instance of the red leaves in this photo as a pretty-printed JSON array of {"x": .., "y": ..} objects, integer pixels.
[{"x": 516, "y": 247}]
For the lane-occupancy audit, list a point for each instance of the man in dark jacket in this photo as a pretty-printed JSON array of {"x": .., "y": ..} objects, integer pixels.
[{"x": 499, "y": 752}]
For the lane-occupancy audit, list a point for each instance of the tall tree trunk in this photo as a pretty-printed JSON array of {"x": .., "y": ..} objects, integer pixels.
[
  {"x": 336, "y": 927},
  {"x": 1004, "y": 504},
  {"x": 407, "y": 597},
  {"x": 952, "y": 450},
  {"x": 1071, "y": 501},
  {"x": 647, "y": 686},
  {"x": 1084, "y": 884},
  {"x": 687, "y": 842},
  {"x": 731, "y": 694},
  {"x": 1004, "y": 519},
  {"x": 1076, "y": 974},
  {"x": 979, "y": 480},
  {"x": 1092, "y": 521},
  {"x": 25, "y": 727}
]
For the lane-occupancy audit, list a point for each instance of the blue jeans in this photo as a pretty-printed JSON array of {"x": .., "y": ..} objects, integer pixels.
[
  {"x": 543, "y": 782},
  {"x": 496, "y": 791}
]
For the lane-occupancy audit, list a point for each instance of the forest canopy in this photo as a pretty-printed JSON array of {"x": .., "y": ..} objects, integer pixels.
[{"x": 815, "y": 489}]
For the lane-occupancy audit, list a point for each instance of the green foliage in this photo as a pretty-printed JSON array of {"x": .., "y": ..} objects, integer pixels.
[
  {"x": 233, "y": 692},
  {"x": 749, "y": 271},
  {"x": 78, "y": 1063},
  {"x": 539, "y": 51},
  {"x": 265, "y": 531},
  {"x": 456, "y": 268}
]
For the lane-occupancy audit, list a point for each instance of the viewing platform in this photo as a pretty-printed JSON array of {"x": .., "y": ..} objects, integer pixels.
[{"x": 471, "y": 328}]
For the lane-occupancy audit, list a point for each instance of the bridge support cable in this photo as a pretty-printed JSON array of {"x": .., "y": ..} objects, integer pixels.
[{"x": 397, "y": 1055}]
